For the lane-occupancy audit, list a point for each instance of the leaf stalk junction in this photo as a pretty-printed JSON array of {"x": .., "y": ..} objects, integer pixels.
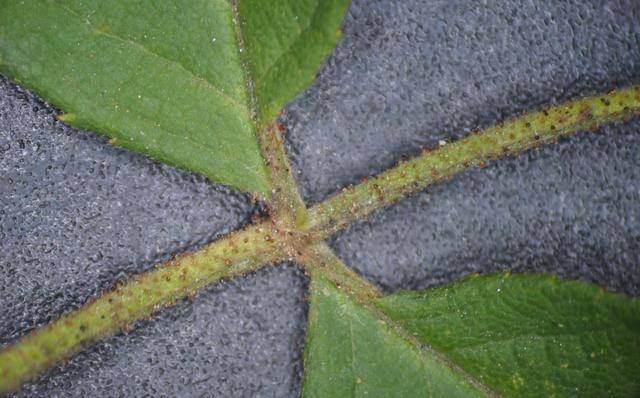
[{"x": 293, "y": 232}]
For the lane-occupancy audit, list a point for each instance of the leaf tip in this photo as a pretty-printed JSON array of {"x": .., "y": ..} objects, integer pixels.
[{"x": 66, "y": 117}]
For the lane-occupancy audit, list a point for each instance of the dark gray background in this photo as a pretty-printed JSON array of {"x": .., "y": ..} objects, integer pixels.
[{"x": 76, "y": 215}]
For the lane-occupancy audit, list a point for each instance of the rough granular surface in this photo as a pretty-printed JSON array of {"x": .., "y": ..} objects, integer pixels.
[
  {"x": 414, "y": 75},
  {"x": 223, "y": 344},
  {"x": 77, "y": 215}
]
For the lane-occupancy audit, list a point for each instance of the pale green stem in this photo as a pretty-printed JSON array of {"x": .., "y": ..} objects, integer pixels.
[
  {"x": 319, "y": 259},
  {"x": 138, "y": 299},
  {"x": 273, "y": 241},
  {"x": 286, "y": 205},
  {"x": 512, "y": 137}
]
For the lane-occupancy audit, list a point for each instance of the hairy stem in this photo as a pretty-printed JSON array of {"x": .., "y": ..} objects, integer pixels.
[
  {"x": 321, "y": 260},
  {"x": 139, "y": 299},
  {"x": 295, "y": 232},
  {"x": 508, "y": 138},
  {"x": 286, "y": 205}
]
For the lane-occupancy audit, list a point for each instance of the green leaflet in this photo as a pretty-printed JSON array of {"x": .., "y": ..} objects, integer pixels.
[
  {"x": 517, "y": 336},
  {"x": 353, "y": 352},
  {"x": 287, "y": 41},
  {"x": 529, "y": 336},
  {"x": 166, "y": 78}
]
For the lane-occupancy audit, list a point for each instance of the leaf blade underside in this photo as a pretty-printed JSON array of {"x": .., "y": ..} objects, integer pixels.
[
  {"x": 287, "y": 41},
  {"x": 529, "y": 335},
  {"x": 161, "y": 78},
  {"x": 352, "y": 352}
]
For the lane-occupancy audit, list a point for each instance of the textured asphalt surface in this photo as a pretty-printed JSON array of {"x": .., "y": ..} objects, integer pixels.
[{"x": 77, "y": 215}]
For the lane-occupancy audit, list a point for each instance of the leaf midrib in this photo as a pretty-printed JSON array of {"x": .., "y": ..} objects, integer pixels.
[
  {"x": 424, "y": 349},
  {"x": 354, "y": 372}
]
